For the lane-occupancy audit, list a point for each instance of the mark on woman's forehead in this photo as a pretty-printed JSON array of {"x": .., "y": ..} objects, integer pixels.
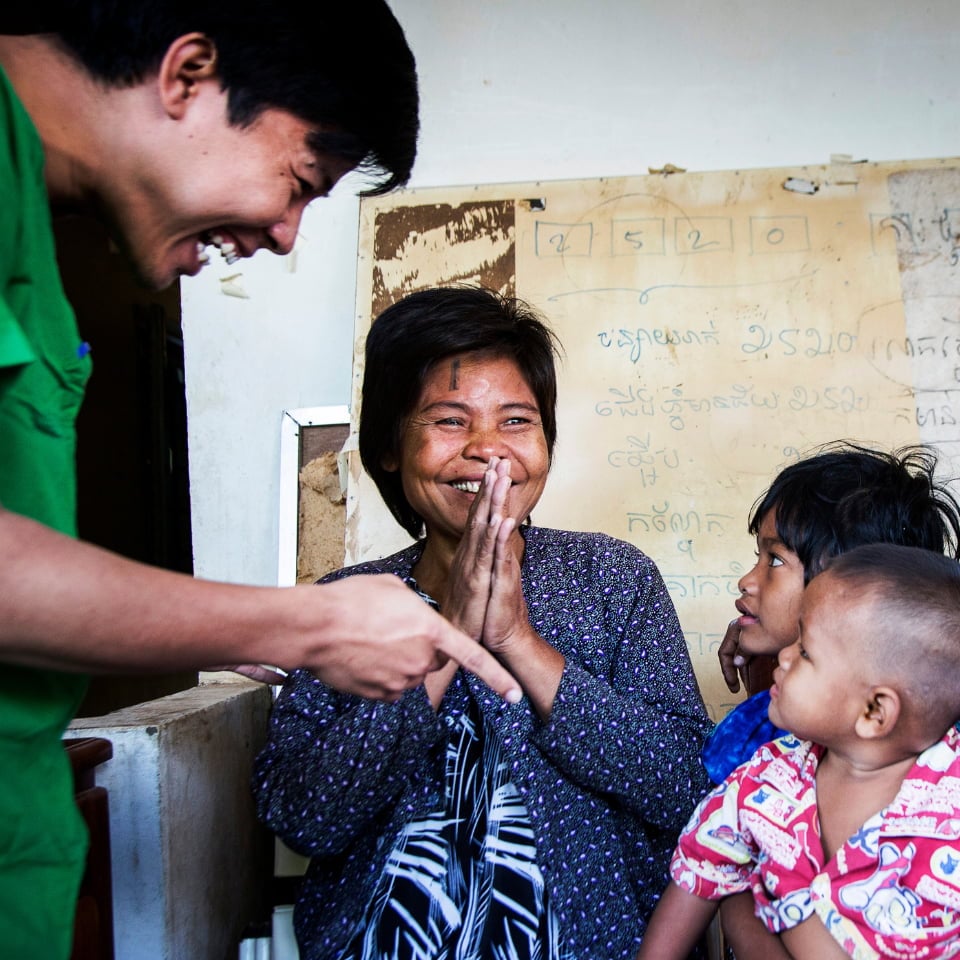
[{"x": 455, "y": 375}]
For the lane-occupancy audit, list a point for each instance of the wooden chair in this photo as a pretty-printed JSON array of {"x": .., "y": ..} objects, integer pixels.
[{"x": 93, "y": 927}]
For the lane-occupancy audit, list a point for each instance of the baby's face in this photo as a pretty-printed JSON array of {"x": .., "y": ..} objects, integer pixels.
[
  {"x": 769, "y": 603},
  {"x": 821, "y": 685}
]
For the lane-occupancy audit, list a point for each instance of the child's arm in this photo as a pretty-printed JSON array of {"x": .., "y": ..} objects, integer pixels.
[
  {"x": 810, "y": 940},
  {"x": 749, "y": 939},
  {"x": 745, "y": 933},
  {"x": 676, "y": 925}
]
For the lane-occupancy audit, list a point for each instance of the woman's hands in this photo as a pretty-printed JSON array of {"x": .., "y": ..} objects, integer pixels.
[
  {"x": 467, "y": 593},
  {"x": 484, "y": 595},
  {"x": 505, "y": 613},
  {"x": 467, "y": 590}
]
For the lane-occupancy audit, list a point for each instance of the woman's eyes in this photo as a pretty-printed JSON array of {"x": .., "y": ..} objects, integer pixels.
[{"x": 460, "y": 422}]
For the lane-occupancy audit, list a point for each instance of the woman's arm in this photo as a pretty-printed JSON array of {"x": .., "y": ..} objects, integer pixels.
[
  {"x": 628, "y": 720},
  {"x": 333, "y": 764}
]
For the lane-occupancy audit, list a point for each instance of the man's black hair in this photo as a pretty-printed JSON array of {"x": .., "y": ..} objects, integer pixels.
[{"x": 344, "y": 65}]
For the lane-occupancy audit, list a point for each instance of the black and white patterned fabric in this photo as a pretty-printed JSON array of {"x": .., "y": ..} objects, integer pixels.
[{"x": 463, "y": 882}]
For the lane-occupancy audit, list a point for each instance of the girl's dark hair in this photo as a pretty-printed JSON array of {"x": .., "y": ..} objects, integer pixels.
[
  {"x": 846, "y": 495},
  {"x": 409, "y": 338},
  {"x": 344, "y": 65}
]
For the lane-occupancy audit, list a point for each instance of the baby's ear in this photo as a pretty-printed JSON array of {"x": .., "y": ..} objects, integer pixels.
[{"x": 880, "y": 713}]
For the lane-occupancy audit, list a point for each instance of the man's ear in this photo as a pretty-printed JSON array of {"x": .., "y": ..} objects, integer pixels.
[
  {"x": 879, "y": 714},
  {"x": 189, "y": 60}
]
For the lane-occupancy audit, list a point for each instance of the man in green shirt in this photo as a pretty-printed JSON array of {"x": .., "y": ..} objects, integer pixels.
[{"x": 185, "y": 127}]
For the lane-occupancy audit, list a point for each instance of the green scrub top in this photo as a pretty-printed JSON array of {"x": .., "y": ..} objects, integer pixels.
[{"x": 44, "y": 368}]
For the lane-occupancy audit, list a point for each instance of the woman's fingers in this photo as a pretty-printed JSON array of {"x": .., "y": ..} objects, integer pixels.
[{"x": 500, "y": 490}]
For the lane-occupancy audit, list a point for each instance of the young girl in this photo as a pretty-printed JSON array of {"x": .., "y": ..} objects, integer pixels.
[{"x": 818, "y": 508}]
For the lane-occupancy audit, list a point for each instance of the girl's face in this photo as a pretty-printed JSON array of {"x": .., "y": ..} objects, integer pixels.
[{"x": 769, "y": 603}]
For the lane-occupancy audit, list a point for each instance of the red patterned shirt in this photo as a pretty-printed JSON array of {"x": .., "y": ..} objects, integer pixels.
[{"x": 892, "y": 890}]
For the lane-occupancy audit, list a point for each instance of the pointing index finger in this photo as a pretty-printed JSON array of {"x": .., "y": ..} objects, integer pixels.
[{"x": 480, "y": 662}]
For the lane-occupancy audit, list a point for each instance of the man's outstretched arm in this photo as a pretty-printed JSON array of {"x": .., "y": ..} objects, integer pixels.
[{"x": 67, "y": 605}]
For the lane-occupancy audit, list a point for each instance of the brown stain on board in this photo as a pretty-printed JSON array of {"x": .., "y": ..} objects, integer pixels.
[{"x": 412, "y": 242}]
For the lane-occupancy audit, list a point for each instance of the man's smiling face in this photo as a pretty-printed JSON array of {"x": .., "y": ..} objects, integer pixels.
[{"x": 214, "y": 184}]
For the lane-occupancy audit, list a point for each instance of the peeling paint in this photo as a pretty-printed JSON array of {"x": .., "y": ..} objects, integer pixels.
[{"x": 471, "y": 242}]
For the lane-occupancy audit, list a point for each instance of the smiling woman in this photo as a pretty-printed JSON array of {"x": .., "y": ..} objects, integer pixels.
[
  {"x": 576, "y": 792},
  {"x": 469, "y": 412}
]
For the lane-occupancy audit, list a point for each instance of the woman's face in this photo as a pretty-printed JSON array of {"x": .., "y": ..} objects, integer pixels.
[{"x": 471, "y": 408}]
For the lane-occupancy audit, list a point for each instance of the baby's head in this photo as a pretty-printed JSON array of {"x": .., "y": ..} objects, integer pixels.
[
  {"x": 844, "y": 496},
  {"x": 878, "y": 650}
]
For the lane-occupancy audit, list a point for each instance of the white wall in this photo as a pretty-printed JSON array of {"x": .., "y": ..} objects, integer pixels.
[{"x": 516, "y": 90}]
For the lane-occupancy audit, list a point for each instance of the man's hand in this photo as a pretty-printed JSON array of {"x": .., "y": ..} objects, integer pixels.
[
  {"x": 367, "y": 635},
  {"x": 380, "y": 639},
  {"x": 252, "y": 671}
]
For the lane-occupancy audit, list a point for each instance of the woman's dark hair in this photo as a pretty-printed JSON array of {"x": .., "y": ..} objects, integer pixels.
[
  {"x": 344, "y": 65},
  {"x": 409, "y": 338},
  {"x": 847, "y": 495}
]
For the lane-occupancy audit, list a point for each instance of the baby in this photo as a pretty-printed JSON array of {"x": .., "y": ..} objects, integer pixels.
[{"x": 846, "y": 829}]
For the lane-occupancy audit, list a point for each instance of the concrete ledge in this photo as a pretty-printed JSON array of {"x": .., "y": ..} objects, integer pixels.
[{"x": 191, "y": 865}]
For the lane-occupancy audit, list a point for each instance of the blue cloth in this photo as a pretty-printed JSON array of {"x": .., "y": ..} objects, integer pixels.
[
  {"x": 737, "y": 736},
  {"x": 608, "y": 782}
]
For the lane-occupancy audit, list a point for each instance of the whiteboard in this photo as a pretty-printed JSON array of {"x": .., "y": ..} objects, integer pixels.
[{"x": 716, "y": 327}]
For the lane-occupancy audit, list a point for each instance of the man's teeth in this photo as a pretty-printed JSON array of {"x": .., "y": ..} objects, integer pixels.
[
  {"x": 202, "y": 254},
  {"x": 228, "y": 249},
  {"x": 467, "y": 486}
]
